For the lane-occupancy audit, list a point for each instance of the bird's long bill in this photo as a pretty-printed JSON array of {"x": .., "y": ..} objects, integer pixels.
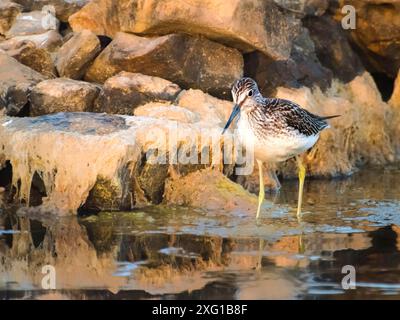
[{"x": 235, "y": 112}]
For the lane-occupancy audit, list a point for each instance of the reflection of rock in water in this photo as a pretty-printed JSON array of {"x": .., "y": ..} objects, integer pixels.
[
  {"x": 376, "y": 264},
  {"x": 95, "y": 256},
  {"x": 62, "y": 244}
]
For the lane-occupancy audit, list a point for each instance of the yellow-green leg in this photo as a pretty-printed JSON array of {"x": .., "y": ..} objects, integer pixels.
[
  {"x": 261, "y": 194},
  {"x": 302, "y": 176}
]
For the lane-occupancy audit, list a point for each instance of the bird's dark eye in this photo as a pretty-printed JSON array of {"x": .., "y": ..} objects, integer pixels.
[{"x": 250, "y": 93}]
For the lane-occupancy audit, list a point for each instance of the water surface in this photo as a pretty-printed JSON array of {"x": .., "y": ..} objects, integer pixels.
[{"x": 179, "y": 253}]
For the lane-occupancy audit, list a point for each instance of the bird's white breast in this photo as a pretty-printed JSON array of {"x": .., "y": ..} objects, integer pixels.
[{"x": 274, "y": 147}]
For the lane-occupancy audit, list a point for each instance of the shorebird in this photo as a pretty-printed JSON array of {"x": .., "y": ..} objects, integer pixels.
[{"x": 277, "y": 130}]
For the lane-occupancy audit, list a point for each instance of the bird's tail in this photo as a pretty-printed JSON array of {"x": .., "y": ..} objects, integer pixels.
[{"x": 330, "y": 117}]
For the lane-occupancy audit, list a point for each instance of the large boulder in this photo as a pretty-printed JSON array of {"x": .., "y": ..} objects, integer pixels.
[
  {"x": 101, "y": 16},
  {"x": 62, "y": 95},
  {"x": 75, "y": 56},
  {"x": 124, "y": 92},
  {"x": 208, "y": 189},
  {"x": 63, "y": 8},
  {"x": 194, "y": 62},
  {"x": 50, "y": 40},
  {"x": 377, "y": 32},
  {"x": 16, "y": 82},
  {"x": 301, "y": 69},
  {"x": 34, "y": 22},
  {"x": 109, "y": 161},
  {"x": 247, "y": 25},
  {"x": 8, "y": 12},
  {"x": 333, "y": 49},
  {"x": 27, "y": 53}
]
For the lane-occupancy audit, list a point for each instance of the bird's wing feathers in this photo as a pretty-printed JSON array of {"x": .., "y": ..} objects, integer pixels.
[{"x": 292, "y": 115}]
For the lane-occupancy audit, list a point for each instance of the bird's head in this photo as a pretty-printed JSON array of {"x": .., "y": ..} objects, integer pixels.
[{"x": 244, "y": 93}]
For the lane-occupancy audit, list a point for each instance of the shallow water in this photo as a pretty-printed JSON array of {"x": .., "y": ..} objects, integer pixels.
[{"x": 168, "y": 253}]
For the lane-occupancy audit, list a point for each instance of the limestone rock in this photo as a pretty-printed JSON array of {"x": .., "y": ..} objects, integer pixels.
[
  {"x": 246, "y": 25},
  {"x": 74, "y": 152},
  {"x": 62, "y": 94},
  {"x": 191, "y": 106},
  {"x": 168, "y": 112},
  {"x": 102, "y": 17},
  {"x": 193, "y": 62},
  {"x": 395, "y": 98},
  {"x": 209, "y": 109},
  {"x": 305, "y": 7},
  {"x": 122, "y": 93},
  {"x": 333, "y": 48},
  {"x": 8, "y": 12},
  {"x": 209, "y": 189},
  {"x": 53, "y": 138},
  {"x": 75, "y": 56},
  {"x": 50, "y": 40},
  {"x": 301, "y": 69},
  {"x": 16, "y": 82},
  {"x": 394, "y": 115},
  {"x": 63, "y": 8},
  {"x": 377, "y": 33},
  {"x": 34, "y": 22},
  {"x": 39, "y": 59}
]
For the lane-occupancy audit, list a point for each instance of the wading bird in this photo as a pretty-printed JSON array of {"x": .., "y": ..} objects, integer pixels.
[{"x": 277, "y": 130}]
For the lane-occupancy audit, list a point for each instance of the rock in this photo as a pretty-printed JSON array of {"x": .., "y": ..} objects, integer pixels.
[
  {"x": 333, "y": 48},
  {"x": 67, "y": 134},
  {"x": 209, "y": 109},
  {"x": 101, "y": 17},
  {"x": 209, "y": 189},
  {"x": 27, "y": 53},
  {"x": 63, "y": 8},
  {"x": 168, "y": 112},
  {"x": 8, "y": 12},
  {"x": 395, "y": 98},
  {"x": 301, "y": 69},
  {"x": 75, "y": 56},
  {"x": 118, "y": 159},
  {"x": 377, "y": 33},
  {"x": 188, "y": 61},
  {"x": 62, "y": 95},
  {"x": 34, "y": 22},
  {"x": 394, "y": 116},
  {"x": 16, "y": 82},
  {"x": 122, "y": 93},
  {"x": 50, "y": 40},
  {"x": 246, "y": 25},
  {"x": 305, "y": 7}
]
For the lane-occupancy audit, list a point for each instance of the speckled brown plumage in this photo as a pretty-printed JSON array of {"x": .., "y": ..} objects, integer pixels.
[{"x": 277, "y": 116}]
